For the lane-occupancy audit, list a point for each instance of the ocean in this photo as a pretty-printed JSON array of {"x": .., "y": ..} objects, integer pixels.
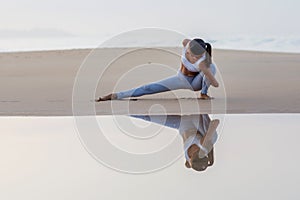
[{"x": 267, "y": 44}]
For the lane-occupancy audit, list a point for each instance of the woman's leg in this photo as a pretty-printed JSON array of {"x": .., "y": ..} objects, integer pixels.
[
  {"x": 206, "y": 82},
  {"x": 200, "y": 82},
  {"x": 197, "y": 82},
  {"x": 172, "y": 83}
]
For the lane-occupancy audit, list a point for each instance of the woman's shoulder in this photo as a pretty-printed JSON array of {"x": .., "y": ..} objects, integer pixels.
[{"x": 185, "y": 42}]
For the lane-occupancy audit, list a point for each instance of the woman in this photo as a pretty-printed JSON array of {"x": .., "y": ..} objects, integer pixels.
[{"x": 196, "y": 73}]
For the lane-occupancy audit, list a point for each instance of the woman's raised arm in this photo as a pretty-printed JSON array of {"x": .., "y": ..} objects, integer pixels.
[{"x": 185, "y": 42}]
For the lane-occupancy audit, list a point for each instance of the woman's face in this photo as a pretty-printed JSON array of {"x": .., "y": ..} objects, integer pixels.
[{"x": 192, "y": 57}]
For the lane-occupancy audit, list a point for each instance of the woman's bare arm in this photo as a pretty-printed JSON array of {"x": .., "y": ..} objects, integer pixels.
[
  {"x": 203, "y": 67},
  {"x": 206, "y": 141},
  {"x": 185, "y": 42}
]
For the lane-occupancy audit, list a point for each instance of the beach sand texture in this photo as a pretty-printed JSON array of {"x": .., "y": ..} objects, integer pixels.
[{"x": 41, "y": 83}]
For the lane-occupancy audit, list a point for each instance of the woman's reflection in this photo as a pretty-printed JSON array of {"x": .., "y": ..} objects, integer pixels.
[{"x": 198, "y": 133}]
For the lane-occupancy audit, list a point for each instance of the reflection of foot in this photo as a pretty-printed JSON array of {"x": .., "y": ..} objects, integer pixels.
[
  {"x": 205, "y": 97},
  {"x": 107, "y": 97}
]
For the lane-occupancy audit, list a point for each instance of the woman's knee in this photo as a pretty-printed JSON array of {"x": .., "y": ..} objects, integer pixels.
[{"x": 196, "y": 88}]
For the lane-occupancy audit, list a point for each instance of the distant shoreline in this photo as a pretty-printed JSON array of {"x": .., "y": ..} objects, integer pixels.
[{"x": 90, "y": 49}]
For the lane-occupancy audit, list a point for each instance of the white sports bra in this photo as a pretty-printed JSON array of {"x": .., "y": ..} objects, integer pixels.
[{"x": 190, "y": 66}]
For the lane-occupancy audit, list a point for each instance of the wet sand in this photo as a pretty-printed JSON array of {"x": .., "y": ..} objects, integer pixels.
[{"x": 41, "y": 83}]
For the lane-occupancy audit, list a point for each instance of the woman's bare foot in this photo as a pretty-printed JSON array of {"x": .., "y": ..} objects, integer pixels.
[
  {"x": 205, "y": 97},
  {"x": 109, "y": 97}
]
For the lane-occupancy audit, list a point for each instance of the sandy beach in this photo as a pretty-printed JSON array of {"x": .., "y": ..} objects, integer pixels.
[{"x": 41, "y": 83}]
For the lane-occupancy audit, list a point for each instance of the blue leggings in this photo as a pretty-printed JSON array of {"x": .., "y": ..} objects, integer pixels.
[{"x": 178, "y": 81}]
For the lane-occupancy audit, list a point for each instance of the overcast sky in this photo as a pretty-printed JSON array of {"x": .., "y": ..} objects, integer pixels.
[{"x": 192, "y": 17}]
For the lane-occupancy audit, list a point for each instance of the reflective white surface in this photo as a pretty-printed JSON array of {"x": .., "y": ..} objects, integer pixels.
[{"x": 256, "y": 157}]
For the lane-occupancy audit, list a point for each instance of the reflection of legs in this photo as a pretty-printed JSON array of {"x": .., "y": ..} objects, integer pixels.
[
  {"x": 172, "y": 121},
  {"x": 171, "y": 83},
  {"x": 205, "y": 82}
]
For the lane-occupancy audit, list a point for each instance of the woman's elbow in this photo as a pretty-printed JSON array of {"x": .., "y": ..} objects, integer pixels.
[
  {"x": 215, "y": 84},
  {"x": 185, "y": 42}
]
